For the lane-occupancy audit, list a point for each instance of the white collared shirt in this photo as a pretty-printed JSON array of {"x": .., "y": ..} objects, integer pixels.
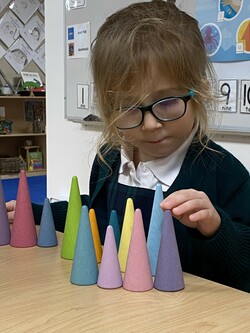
[{"x": 160, "y": 171}]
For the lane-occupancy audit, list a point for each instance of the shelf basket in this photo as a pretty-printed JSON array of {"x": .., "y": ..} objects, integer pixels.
[{"x": 10, "y": 165}]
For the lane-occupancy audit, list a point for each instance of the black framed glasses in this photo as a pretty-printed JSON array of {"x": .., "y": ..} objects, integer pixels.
[{"x": 164, "y": 109}]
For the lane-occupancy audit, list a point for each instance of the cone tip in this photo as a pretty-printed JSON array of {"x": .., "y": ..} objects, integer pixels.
[{"x": 109, "y": 227}]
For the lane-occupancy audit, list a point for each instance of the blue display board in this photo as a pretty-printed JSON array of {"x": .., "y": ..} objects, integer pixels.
[{"x": 225, "y": 26}]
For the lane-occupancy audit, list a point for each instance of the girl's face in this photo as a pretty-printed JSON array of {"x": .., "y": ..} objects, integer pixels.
[{"x": 155, "y": 139}]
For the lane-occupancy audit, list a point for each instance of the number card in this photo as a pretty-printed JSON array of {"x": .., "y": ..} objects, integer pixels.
[
  {"x": 245, "y": 96},
  {"x": 228, "y": 95}
]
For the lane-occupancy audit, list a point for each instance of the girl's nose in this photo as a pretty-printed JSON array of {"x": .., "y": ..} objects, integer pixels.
[{"x": 150, "y": 122}]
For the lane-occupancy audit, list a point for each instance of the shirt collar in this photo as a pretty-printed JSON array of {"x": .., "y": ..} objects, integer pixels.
[{"x": 164, "y": 169}]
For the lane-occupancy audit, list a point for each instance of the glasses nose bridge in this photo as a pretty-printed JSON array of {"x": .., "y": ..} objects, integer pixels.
[{"x": 147, "y": 108}]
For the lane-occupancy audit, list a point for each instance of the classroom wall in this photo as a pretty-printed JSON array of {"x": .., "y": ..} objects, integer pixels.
[{"x": 70, "y": 146}]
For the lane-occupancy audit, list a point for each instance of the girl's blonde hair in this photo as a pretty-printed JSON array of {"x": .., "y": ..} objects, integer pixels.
[{"x": 134, "y": 40}]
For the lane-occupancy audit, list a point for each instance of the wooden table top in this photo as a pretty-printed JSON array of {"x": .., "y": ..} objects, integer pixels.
[{"x": 36, "y": 296}]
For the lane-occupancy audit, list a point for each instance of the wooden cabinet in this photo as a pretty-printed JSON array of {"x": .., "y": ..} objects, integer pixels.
[{"x": 28, "y": 126}]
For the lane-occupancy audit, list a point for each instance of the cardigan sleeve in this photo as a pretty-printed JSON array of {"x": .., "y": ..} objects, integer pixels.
[{"x": 227, "y": 254}]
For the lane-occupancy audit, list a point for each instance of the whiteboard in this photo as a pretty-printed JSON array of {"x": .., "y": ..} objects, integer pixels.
[{"x": 79, "y": 84}]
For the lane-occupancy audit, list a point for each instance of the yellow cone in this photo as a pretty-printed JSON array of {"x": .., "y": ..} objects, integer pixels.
[
  {"x": 72, "y": 221},
  {"x": 95, "y": 234},
  {"x": 126, "y": 233}
]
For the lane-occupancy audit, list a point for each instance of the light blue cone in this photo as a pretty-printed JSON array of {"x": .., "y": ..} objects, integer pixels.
[
  {"x": 84, "y": 268},
  {"x": 47, "y": 232},
  {"x": 155, "y": 228},
  {"x": 113, "y": 221}
]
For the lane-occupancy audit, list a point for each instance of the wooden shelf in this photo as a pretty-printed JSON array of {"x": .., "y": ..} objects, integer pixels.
[
  {"x": 21, "y": 134},
  {"x": 38, "y": 172},
  {"x": 21, "y": 97},
  {"x": 18, "y": 110}
]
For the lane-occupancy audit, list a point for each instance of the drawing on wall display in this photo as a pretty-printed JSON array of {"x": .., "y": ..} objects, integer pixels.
[
  {"x": 24, "y": 9},
  {"x": 230, "y": 8},
  {"x": 19, "y": 55},
  {"x": 10, "y": 26},
  {"x": 33, "y": 32},
  {"x": 22, "y": 34},
  {"x": 227, "y": 33},
  {"x": 212, "y": 38}
]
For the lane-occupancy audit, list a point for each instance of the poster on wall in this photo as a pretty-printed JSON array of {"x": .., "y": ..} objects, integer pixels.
[
  {"x": 33, "y": 32},
  {"x": 225, "y": 27},
  {"x": 78, "y": 40},
  {"x": 24, "y": 9},
  {"x": 10, "y": 27},
  {"x": 19, "y": 55}
]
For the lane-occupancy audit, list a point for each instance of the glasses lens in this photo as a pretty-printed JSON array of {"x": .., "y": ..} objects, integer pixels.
[
  {"x": 129, "y": 118},
  {"x": 169, "y": 109}
]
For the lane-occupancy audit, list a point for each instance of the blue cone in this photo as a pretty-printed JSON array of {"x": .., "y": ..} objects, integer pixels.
[
  {"x": 47, "y": 232},
  {"x": 4, "y": 222},
  {"x": 84, "y": 268},
  {"x": 113, "y": 221},
  {"x": 155, "y": 228}
]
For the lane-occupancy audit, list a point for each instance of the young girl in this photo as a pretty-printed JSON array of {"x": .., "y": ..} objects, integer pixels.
[{"x": 152, "y": 77}]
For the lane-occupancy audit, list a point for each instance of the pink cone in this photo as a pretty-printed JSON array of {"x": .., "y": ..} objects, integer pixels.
[
  {"x": 138, "y": 276},
  {"x": 109, "y": 273},
  {"x": 23, "y": 229}
]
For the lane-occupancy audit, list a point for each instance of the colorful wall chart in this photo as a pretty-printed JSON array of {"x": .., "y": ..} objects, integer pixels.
[{"x": 225, "y": 27}]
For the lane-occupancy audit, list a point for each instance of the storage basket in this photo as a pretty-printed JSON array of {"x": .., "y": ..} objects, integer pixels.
[{"x": 10, "y": 165}]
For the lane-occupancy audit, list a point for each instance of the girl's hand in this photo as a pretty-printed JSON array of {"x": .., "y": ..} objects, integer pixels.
[
  {"x": 10, "y": 206},
  {"x": 193, "y": 209}
]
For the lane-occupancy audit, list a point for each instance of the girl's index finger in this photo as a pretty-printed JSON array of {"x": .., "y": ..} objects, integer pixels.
[{"x": 179, "y": 197}]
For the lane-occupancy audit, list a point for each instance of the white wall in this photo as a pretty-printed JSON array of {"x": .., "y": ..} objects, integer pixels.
[
  {"x": 70, "y": 147},
  {"x": 238, "y": 146}
]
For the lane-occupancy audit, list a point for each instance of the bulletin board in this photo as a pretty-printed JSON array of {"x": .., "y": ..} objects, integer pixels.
[
  {"x": 22, "y": 39},
  {"x": 225, "y": 27}
]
